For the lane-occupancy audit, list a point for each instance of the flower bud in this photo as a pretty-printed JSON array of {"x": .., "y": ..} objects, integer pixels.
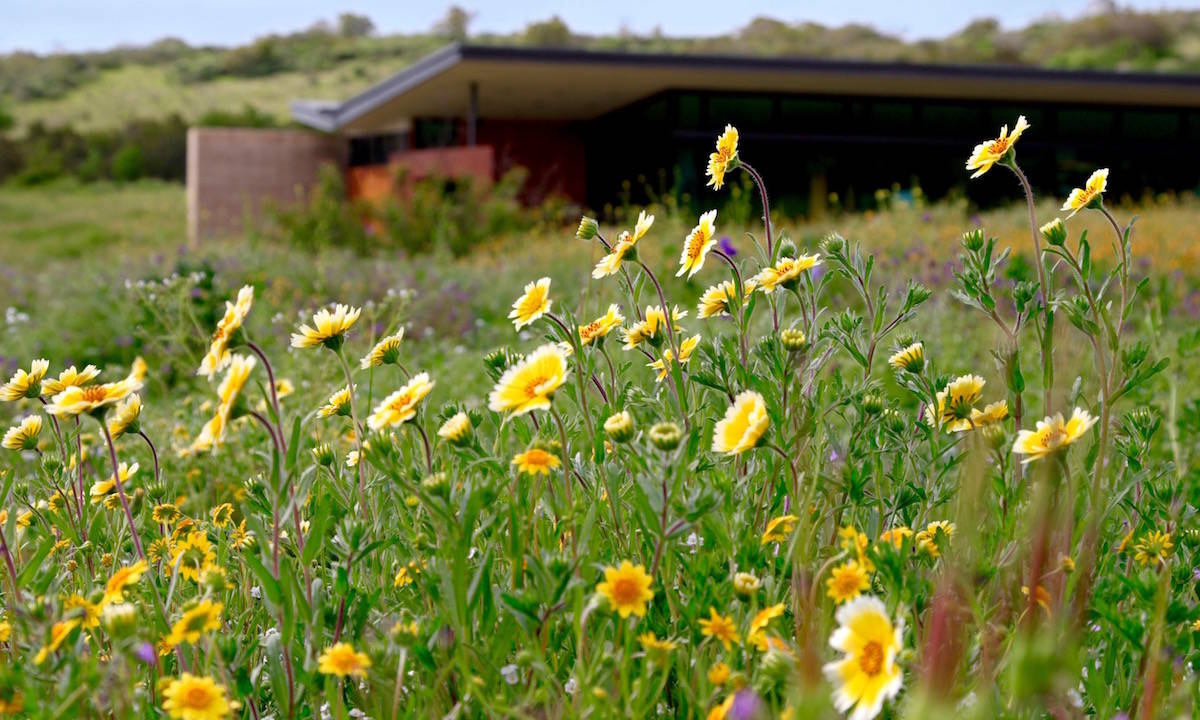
[
  {"x": 872, "y": 404},
  {"x": 745, "y": 584},
  {"x": 437, "y": 484},
  {"x": 793, "y": 339},
  {"x": 588, "y": 228},
  {"x": 324, "y": 455},
  {"x": 119, "y": 619},
  {"x": 787, "y": 248},
  {"x": 619, "y": 427},
  {"x": 972, "y": 240},
  {"x": 1054, "y": 232},
  {"x": 666, "y": 436}
]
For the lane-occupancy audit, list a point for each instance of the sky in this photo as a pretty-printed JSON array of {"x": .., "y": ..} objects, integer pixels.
[{"x": 72, "y": 25}]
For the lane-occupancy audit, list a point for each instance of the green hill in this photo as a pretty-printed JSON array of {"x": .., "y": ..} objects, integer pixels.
[{"x": 107, "y": 90}]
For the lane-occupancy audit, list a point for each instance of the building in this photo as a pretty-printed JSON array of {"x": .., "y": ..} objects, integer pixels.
[{"x": 599, "y": 127}]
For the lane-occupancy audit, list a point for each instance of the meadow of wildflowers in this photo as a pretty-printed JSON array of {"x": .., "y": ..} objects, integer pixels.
[{"x": 784, "y": 495}]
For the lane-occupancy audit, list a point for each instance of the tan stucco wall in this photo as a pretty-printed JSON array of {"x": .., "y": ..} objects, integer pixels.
[{"x": 234, "y": 171}]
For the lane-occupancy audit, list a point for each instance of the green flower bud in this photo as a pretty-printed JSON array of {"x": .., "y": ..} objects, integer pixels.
[
  {"x": 666, "y": 436},
  {"x": 1055, "y": 232},
  {"x": 619, "y": 427},
  {"x": 324, "y": 455},
  {"x": 793, "y": 339},
  {"x": 972, "y": 240},
  {"x": 588, "y": 228}
]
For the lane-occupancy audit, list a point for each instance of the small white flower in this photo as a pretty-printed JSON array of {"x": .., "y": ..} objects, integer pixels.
[
  {"x": 509, "y": 673},
  {"x": 571, "y": 686}
]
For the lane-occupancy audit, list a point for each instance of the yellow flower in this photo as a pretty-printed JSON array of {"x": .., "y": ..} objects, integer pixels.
[
  {"x": 911, "y": 358},
  {"x": 401, "y": 406},
  {"x": 69, "y": 378},
  {"x": 989, "y": 152},
  {"x": 719, "y": 674},
  {"x": 1052, "y": 434},
  {"x": 717, "y": 299},
  {"x": 650, "y": 329},
  {"x": 764, "y": 618},
  {"x": 611, "y": 263},
  {"x": 601, "y": 326},
  {"x": 778, "y": 529},
  {"x": 328, "y": 328},
  {"x": 927, "y": 539},
  {"x": 1089, "y": 194},
  {"x": 785, "y": 273},
  {"x": 338, "y": 404},
  {"x": 213, "y": 432},
  {"x": 721, "y": 161},
  {"x": 342, "y": 660},
  {"x": 114, "y": 590},
  {"x": 192, "y": 556},
  {"x": 90, "y": 399},
  {"x": 126, "y": 418},
  {"x": 697, "y": 244},
  {"x": 847, "y": 581},
  {"x": 194, "y": 623},
  {"x": 456, "y": 429},
  {"x": 535, "y": 461},
  {"x": 663, "y": 364},
  {"x": 530, "y": 384},
  {"x": 627, "y": 589},
  {"x": 533, "y": 303},
  {"x": 385, "y": 352},
  {"x": 867, "y": 674},
  {"x": 720, "y": 711},
  {"x": 90, "y": 612},
  {"x": 196, "y": 697},
  {"x": 240, "y": 537},
  {"x": 720, "y": 628},
  {"x": 23, "y": 435},
  {"x": 165, "y": 514},
  {"x": 743, "y": 425},
  {"x": 240, "y": 367},
  {"x": 222, "y": 515},
  {"x": 1155, "y": 548},
  {"x": 642, "y": 227},
  {"x": 991, "y": 414},
  {"x": 1040, "y": 596},
  {"x": 956, "y": 402},
  {"x": 652, "y": 644},
  {"x": 58, "y": 632},
  {"x": 217, "y": 356},
  {"x": 25, "y": 384},
  {"x": 100, "y": 488},
  {"x": 283, "y": 388},
  {"x": 896, "y": 536}
]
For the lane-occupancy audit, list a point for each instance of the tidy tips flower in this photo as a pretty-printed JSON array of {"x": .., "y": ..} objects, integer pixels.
[
  {"x": 218, "y": 350},
  {"x": 401, "y": 406},
  {"x": 785, "y": 272},
  {"x": 990, "y": 152},
  {"x": 69, "y": 378},
  {"x": 456, "y": 430},
  {"x": 1051, "y": 434},
  {"x": 329, "y": 327},
  {"x": 533, "y": 303},
  {"x": 25, "y": 384},
  {"x": 1089, "y": 195},
  {"x": 601, "y": 326},
  {"x": 385, "y": 352},
  {"x": 867, "y": 674},
  {"x": 697, "y": 244},
  {"x": 23, "y": 435},
  {"x": 743, "y": 425},
  {"x": 530, "y": 384},
  {"x": 722, "y": 161}
]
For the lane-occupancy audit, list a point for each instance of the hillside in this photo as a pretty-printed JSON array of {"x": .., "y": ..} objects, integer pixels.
[{"x": 107, "y": 90}]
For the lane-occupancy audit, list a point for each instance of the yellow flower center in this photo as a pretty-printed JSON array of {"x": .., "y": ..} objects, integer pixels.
[
  {"x": 94, "y": 393},
  {"x": 531, "y": 387},
  {"x": 845, "y": 583},
  {"x": 870, "y": 660},
  {"x": 625, "y": 591},
  {"x": 196, "y": 697}
]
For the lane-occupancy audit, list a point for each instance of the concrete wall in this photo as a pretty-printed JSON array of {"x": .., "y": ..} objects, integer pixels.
[{"x": 234, "y": 171}]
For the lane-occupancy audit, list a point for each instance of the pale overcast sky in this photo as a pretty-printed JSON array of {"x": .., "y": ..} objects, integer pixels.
[{"x": 55, "y": 25}]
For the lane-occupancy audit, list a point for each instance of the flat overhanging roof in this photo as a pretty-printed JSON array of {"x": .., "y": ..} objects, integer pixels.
[{"x": 563, "y": 84}]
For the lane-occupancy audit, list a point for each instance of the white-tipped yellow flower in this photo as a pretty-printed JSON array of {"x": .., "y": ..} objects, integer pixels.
[
  {"x": 90, "y": 398},
  {"x": 1052, "y": 434},
  {"x": 338, "y": 404},
  {"x": 663, "y": 365},
  {"x": 610, "y": 264},
  {"x": 126, "y": 417},
  {"x": 644, "y": 222},
  {"x": 530, "y": 384},
  {"x": 213, "y": 432},
  {"x": 717, "y": 299},
  {"x": 911, "y": 358},
  {"x": 601, "y": 326},
  {"x": 456, "y": 430},
  {"x": 1089, "y": 194},
  {"x": 138, "y": 370},
  {"x": 867, "y": 674},
  {"x": 329, "y": 327},
  {"x": 101, "y": 488},
  {"x": 25, "y": 384},
  {"x": 217, "y": 356},
  {"x": 653, "y": 328},
  {"x": 533, "y": 303},
  {"x": 385, "y": 352},
  {"x": 743, "y": 425},
  {"x": 990, "y": 152},
  {"x": 956, "y": 403},
  {"x": 721, "y": 161},
  {"x": 23, "y": 435},
  {"x": 697, "y": 244},
  {"x": 240, "y": 367},
  {"x": 69, "y": 378},
  {"x": 785, "y": 272},
  {"x": 401, "y": 406}
]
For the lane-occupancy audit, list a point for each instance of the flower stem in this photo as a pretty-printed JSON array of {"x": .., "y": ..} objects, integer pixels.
[{"x": 112, "y": 454}]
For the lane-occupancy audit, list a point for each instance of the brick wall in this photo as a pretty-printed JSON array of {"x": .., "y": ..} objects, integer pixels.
[
  {"x": 377, "y": 182},
  {"x": 234, "y": 171}
]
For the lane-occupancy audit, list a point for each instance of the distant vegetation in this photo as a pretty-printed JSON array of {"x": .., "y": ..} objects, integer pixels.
[{"x": 122, "y": 113}]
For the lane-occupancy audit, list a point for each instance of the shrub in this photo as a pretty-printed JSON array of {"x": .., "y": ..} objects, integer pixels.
[{"x": 127, "y": 163}]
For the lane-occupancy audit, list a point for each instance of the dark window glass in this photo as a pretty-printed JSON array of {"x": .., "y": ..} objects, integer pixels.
[
  {"x": 740, "y": 110},
  {"x": 1151, "y": 125},
  {"x": 1081, "y": 123},
  {"x": 376, "y": 149}
]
